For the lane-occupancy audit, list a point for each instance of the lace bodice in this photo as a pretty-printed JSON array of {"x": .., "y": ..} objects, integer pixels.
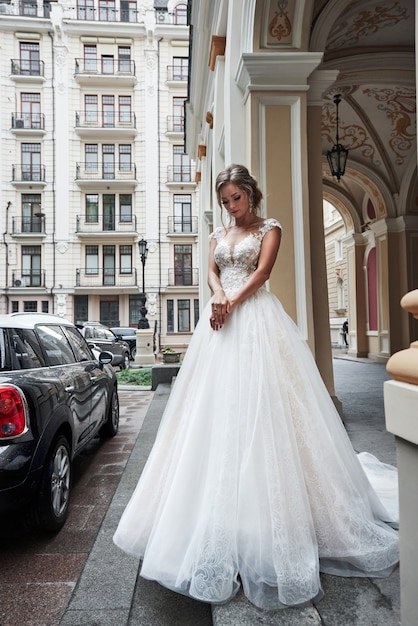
[{"x": 237, "y": 263}]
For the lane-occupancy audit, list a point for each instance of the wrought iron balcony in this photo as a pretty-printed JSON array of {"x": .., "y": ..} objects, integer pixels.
[
  {"x": 28, "y": 225},
  {"x": 105, "y": 277},
  {"x": 28, "y": 278},
  {"x": 183, "y": 277},
  {"x": 90, "y": 224},
  {"x": 176, "y": 73},
  {"x": 26, "y": 8},
  {"x": 182, "y": 225},
  {"x": 181, "y": 174},
  {"x": 104, "y": 119},
  {"x": 27, "y": 67},
  {"x": 28, "y": 173},
  {"x": 107, "y": 66},
  {"x": 175, "y": 124},
  {"x": 104, "y": 171},
  {"x": 28, "y": 121}
]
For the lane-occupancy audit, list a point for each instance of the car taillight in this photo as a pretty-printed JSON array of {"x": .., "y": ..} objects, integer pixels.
[{"x": 13, "y": 412}]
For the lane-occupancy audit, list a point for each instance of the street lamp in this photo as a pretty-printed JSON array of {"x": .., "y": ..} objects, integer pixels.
[
  {"x": 337, "y": 157},
  {"x": 143, "y": 252}
]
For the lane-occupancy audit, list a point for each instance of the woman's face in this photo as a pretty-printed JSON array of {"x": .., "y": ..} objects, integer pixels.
[{"x": 234, "y": 200}]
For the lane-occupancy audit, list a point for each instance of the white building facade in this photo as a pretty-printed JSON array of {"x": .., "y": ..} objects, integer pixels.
[{"x": 93, "y": 160}]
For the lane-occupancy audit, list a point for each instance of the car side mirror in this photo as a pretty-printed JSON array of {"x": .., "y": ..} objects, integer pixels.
[{"x": 105, "y": 357}]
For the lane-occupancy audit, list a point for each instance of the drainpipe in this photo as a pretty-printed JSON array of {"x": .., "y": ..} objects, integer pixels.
[
  {"x": 6, "y": 246},
  {"x": 53, "y": 173},
  {"x": 159, "y": 197}
]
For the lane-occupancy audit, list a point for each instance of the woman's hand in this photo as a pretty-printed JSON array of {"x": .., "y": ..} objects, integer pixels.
[{"x": 220, "y": 310}]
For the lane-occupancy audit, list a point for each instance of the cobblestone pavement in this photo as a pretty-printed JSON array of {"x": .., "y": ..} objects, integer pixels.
[{"x": 38, "y": 573}]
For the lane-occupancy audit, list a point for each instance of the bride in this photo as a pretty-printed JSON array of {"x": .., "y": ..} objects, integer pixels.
[{"x": 252, "y": 479}]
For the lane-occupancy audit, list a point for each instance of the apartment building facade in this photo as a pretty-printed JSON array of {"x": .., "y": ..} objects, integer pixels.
[{"x": 93, "y": 162}]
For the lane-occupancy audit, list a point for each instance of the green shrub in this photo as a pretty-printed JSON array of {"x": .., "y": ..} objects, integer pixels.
[{"x": 141, "y": 377}]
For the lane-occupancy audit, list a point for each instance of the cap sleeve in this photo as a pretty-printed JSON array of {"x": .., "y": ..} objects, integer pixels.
[
  {"x": 217, "y": 234},
  {"x": 269, "y": 224}
]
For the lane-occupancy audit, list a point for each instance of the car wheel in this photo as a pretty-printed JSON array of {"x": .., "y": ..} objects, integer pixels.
[
  {"x": 126, "y": 362},
  {"x": 51, "y": 507},
  {"x": 133, "y": 354},
  {"x": 110, "y": 427}
]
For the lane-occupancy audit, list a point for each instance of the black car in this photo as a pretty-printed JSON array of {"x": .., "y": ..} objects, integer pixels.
[
  {"x": 101, "y": 336},
  {"x": 55, "y": 397},
  {"x": 127, "y": 334}
]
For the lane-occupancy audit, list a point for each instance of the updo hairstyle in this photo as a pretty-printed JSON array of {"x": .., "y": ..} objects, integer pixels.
[{"x": 241, "y": 177}]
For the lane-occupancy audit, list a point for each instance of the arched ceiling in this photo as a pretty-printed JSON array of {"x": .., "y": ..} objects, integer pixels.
[{"x": 371, "y": 44}]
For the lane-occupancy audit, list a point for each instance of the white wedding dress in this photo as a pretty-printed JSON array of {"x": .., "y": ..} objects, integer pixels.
[{"x": 252, "y": 479}]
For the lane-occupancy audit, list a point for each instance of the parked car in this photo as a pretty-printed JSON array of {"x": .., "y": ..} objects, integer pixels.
[
  {"x": 55, "y": 397},
  {"x": 102, "y": 337},
  {"x": 128, "y": 334}
]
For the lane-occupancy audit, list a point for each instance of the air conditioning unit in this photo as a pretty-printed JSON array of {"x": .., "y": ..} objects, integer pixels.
[
  {"x": 17, "y": 283},
  {"x": 19, "y": 123}
]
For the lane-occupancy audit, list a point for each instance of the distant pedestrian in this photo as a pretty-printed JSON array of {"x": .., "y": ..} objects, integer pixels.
[{"x": 344, "y": 328}]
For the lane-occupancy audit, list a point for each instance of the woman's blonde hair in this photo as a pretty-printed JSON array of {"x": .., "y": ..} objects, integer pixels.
[{"x": 241, "y": 177}]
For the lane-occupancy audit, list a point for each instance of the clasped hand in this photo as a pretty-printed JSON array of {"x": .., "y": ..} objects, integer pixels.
[{"x": 221, "y": 308}]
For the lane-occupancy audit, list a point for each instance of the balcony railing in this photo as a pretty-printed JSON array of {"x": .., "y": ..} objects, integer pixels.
[
  {"x": 28, "y": 173},
  {"x": 181, "y": 174},
  {"x": 182, "y": 225},
  {"x": 27, "y": 67},
  {"x": 175, "y": 124},
  {"x": 28, "y": 278},
  {"x": 176, "y": 73},
  {"x": 105, "y": 277},
  {"x": 28, "y": 121},
  {"x": 104, "y": 119},
  {"x": 28, "y": 225},
  {"x": 104, "y": 14},
  {"x": 183, "y": 277},
  {"x": 26, "y": 9},
  {"x": 105, "y": 67},
  {"x": 104, "y": 171},
  {"x": 104, "y": 223}
]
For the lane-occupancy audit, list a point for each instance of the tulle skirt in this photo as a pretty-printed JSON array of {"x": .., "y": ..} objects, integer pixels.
[{"x": 252, "y": 479}]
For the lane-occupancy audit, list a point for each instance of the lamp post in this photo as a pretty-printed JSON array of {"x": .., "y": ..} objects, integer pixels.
[
  {"x": 337, "y": 156},
  {"x": 143, "y": 253}
]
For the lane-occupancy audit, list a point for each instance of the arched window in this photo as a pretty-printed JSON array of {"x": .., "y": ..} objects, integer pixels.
[{"x": 180, "y": 14}]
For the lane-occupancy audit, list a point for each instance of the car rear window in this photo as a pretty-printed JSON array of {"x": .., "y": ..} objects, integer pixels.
[{"x": 25, "y": 351}]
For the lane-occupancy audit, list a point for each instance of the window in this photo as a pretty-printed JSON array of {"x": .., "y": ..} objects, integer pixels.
[
  {"x": 182, "y": 213},
  {"x": 124, "y": 58},
  {"x": 183, "y": 315},
  {"x": 108, "y": 64},
  {"x": 28, "y": 7},
  {"x": 31, "y": 161},
  {"x": 91, "y": 152},
  {"x": 109, "y": 212},
  {"x": 30, "y": 306},
  {"x": 338, "y": 249},
  {"x": 196, "y": 311},
  {"x": 30, "y": 106},
  {"x": 125, "y": 162},
  {"x": 92, "y": 259},
  {"x": 109, "y": 315},
  {"x": 91, "y": 106},
  {"x": 108, "y": 151},
  {"x": 31, "y": 207},
  {"x": 81, "y": 309},
  {"x": 180, "y": 68},
  {"x": 81, "y": 351},
  {"x": 56, "y": 345},
  {"x": 125, "y": 253},
  {"x": 182, "y": 264},
  {"x": 45, "y": 306},
  {"x": 181, "y": 165},
  {"x": 90, "y": 58},
  {"x": 107, "y": 11},
  {"x": 108, "y": 111},
  {"x": 29, "y": 59},
  {"x": 125, "y": 208},
  {"x": 108, "y": 265},
  {"x": 125, "y": 109},
  {"x": 31, "y": 266},
  {"x": 92, "y": 208},
  {"x": 180, "y": 14},
  {"x": 170, "y": 316},
  {"x": 134, "y": 309},
  {"x": 85, "y": 9},
  {"x": 127, "y": 11},
  {"x": 26, "y": 348},
  {"x": 15, "y": 306},
  {"x": 178, "y": 114}
]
